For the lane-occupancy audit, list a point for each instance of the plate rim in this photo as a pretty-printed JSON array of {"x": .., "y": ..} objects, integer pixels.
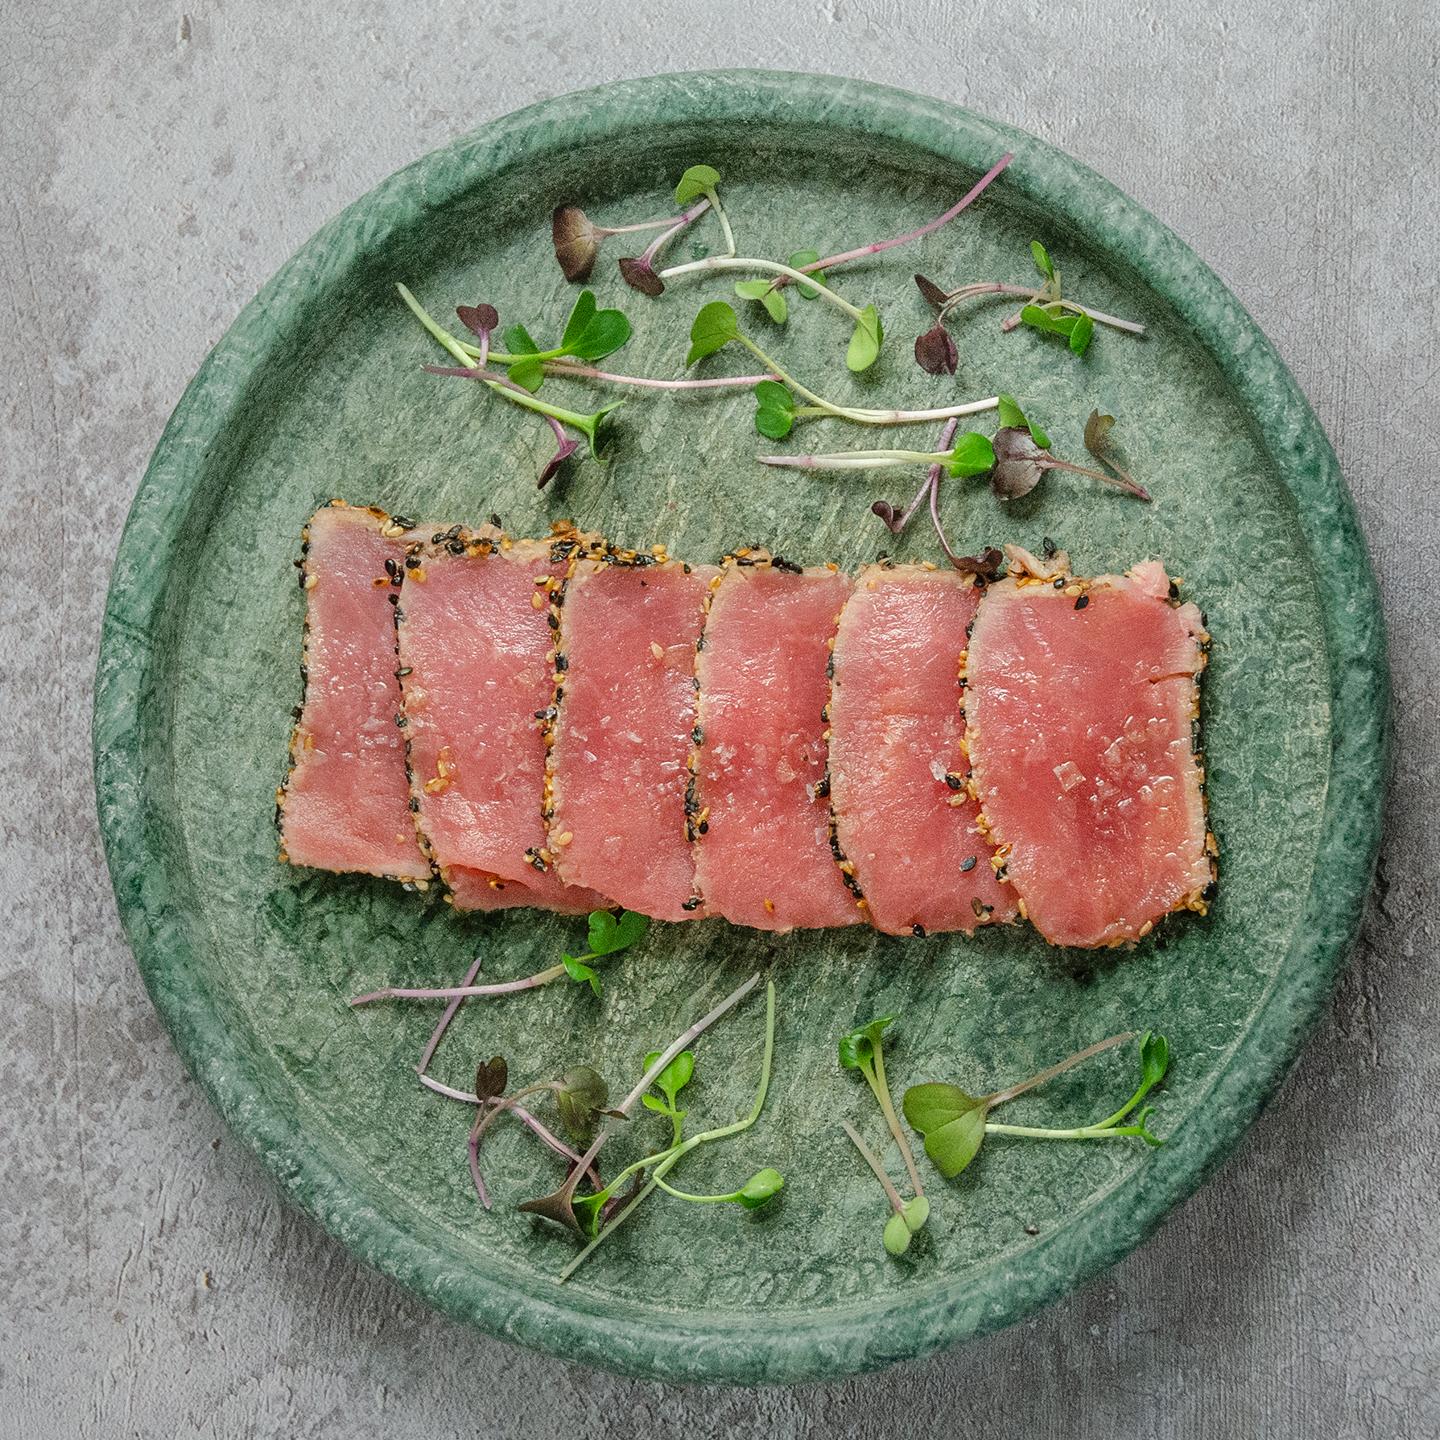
[{"x": 836, "y": 1342}]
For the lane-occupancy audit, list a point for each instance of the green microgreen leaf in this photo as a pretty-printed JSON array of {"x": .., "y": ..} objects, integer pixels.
[
  {"x": 952, "y": 1122},
  {"x": 609, "y": 933},
  {"x": 714, "y": 328},
  {"x": 518, "y": 341},
  {"x": 774, "y": 409},
  {"x": 897, "y": 1235},
  {"x": 675, "y": 1076},
  {"x": 798, "y": 261},
  {"x": 603, "y": 334},
  {"x": 1082, "y": 332},
  {"x": 1011, "y": 416},
  {"x": 773, "y": 300},
  {"x": 864, "y": 348},
  {"x": 1043, "y": 262},
  {"x": 1154, "y": 1058},
  {"x": 698, "y": 180},
  {"x": 857, "y": 1049},
  {"x": 973, "y": 455},
  {"x": 916, "y": 1212},
  {"x": 761, "y": 1188},
  {"x": 579, "y": 971}
]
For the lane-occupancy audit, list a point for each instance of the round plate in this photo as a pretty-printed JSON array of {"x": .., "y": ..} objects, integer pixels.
[{"x": 317, "y": 391}]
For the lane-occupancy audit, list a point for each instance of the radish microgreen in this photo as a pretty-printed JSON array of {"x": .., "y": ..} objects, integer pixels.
[
  {"x": 1098, "y": 443},
  {"x": 954, "y": 1123},
  {"x": 607, "y": 936},
  {"x": 1045, "y": 309},
  {"x": 590, "y": 334},
  {"x": 716, "y": 326},
  {"x": 577, "y": 238},
  {"x": 909, "y": 1216}
]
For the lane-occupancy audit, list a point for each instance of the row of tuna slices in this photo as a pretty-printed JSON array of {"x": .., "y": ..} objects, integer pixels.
[{"x": 713, "y": 740}]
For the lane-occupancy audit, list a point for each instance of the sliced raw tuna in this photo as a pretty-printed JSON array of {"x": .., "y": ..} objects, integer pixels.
[
  {"x": 345, "y": 803},
  {"x": 906, "y": 828},
  {"x": 625, "y": 713},
  {"x": 1081, "y": 698},
  {"x": 476, "y": 641},
  {"x": 759, "y": 809}
]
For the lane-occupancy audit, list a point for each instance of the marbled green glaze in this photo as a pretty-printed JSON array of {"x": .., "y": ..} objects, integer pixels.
[{"x": 316, "y": 391}]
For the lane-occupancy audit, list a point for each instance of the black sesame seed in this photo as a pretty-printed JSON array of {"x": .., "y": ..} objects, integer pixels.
[
  {"x": 918, "y": 931},
  {"x": 403, "y": 521},
  {"x": 954, "y": 781},
  {"x": 1059, "y": 582},
  {"x": 1048, "y": 547},
  {"x": 1081, "y": 601},
  {"x": 562, "y": 663},
  {"x": 967, "y": 864},
  {"x": 693, "y": 903},
  {"x": 495, "y": 521}
]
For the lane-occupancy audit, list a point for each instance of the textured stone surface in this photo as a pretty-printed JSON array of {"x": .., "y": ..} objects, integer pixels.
[{"x": 1309, "y": 1316}]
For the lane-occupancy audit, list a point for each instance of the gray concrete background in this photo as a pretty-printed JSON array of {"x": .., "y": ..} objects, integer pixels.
[{"x": 157, "y": 166}]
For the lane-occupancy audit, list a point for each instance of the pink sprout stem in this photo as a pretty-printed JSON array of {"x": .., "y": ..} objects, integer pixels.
[
  {"x": 665, "y": 236},
  {"x": 603, "y": 230},
  {"x": 831, "y": 261},
  {"x": 428, "y": 1053}
]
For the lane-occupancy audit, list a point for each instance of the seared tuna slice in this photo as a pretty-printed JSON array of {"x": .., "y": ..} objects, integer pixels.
[
  {"x": 759, "y": 810},
  {"x": 907, "y": 831},
  {"x": 476, "y": 646},
  {"x": 623, "y": 729},
  {"x": 344, "y": 804},
  {"x": 1081, "y": 698}
]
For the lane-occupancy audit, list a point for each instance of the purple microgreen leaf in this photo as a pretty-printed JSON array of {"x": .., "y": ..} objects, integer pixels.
[
  {"x": 1019, "y": 463},
  {"x": 935, "y": 297},
  {"x": 564, "y": 449},
  {"x": 581, "y": 1099},
  {"x": 714, "y": 328},
  {"x": 491, "y": 1078},
  {"x": 576, "y": 242},
  {"x": 559, "y": 1205},
  {"x": 988, "y": 565},
  {"x": 639, "y": 274},
  {"x": 936, "y": 352},
  {"x": 481, "y": 320}
]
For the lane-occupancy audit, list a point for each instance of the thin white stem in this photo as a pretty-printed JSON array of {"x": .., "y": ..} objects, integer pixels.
[
  {"x": 896, "y": 1203},
  {"x": 724, "y": 220},
  {"x": 769, "y": 267},
  {"x": 463, "y": 992},
  {"x": 882, "y": 1094},
  {"x": 1069, "y": 1063},
  {"x": 602, "y": 230},
  {"x": 919, "y": 417},
  {"x": 662, "y": 240},
  {"x": 854, "y": 460}
]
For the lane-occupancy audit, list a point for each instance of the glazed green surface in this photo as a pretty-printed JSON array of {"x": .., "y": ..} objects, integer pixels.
[{"x": 317, "y": 392}]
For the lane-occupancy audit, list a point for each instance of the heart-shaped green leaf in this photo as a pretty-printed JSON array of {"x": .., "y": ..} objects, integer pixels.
[
  {"x": 579, "y": 971},
  {"x": 973, "y": 455},
  {"x": 774, "y": 409},
  {"x": 604, "y": 333},
  {"x": 864, "y": 348},
  {"x": 714, "y": 328},
  {"x": 772, "y": 300},
  {"x": 581, "y": 314},
  {"x": 952, "y": 1122}
]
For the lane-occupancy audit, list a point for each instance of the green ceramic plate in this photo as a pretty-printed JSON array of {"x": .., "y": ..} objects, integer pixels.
[{"x": 316, "y": 391}]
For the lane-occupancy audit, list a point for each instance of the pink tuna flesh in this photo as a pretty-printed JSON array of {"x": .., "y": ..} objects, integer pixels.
[
  {"x": 622, "y": 735},
  {"x": 346, "y": 805},
  {"x": 477, "y": 674},
  {"x": 763, "y": 852},
  {"x": 903, "y": 816},
  {"x": 1080, "y": 735}
]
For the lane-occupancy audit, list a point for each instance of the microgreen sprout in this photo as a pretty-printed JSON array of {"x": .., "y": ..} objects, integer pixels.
[
  {"x": 577, "y": 238},
  {"x": 776, "y": 411},
  {"x": 698, "y": 191},
  {"x": 1013, "y": 460},
  {"x": 863, "y": 1050},
  {"x": 1045, "y": 309},
  {"x": 502, "y": 384},
  {"x": 955, "y": 1123},
  {"x": 817, "y": 266},
  {"x": 909, "y": 1216},
  {"x": 607, "y": 936},
  {"x": 590, "y": 334},
  {"x": 590, "y": 1213}
]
